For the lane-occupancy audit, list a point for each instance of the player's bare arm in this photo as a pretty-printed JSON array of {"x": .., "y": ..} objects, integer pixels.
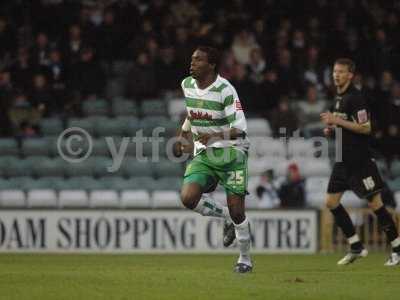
[
  {"x": 330, "y": 120},
  {"x": 231, "y": 134}
]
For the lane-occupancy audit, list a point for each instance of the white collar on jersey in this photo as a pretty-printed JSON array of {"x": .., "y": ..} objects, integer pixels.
[{"x": 202, "y": 92}]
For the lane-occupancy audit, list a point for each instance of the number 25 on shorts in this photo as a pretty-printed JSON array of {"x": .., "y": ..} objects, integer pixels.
[{"x": 236, "y": 177}]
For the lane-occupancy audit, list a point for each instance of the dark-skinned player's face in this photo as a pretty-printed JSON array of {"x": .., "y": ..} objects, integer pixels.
[
  {"x": 341, "y": 75},
  {"x": 199, "y": 65}
]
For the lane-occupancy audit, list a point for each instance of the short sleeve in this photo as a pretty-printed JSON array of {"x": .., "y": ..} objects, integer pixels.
[
  {"x": 359, "y": 109},
  {"x": 233, "y": 109}
]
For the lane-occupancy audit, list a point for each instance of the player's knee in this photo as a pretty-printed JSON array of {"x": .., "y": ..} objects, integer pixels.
[
  {"x": 237, "y": 216},
  {"x": 375, "y": 202},
  {"x": 332, "y": 202},
  {"x": 189, "y": 198}
]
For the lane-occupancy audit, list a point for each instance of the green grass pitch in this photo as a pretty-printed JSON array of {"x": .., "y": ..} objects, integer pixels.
[{"x": 194, "y": 277}]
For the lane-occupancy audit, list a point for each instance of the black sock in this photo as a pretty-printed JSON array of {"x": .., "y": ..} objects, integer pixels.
[
  {"x": 343, "y": 220},
  {"x": 386, "y": 221}
]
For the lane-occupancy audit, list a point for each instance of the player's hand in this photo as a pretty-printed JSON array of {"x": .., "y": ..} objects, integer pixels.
[
  {"x": 182, "y": 147},
  {"x": 328, "y": 131},
  {"x": 204, "y": 138},
  {"x": 328, "y": 118}
]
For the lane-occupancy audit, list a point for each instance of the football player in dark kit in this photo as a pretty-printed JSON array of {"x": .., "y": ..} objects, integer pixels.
[{"x": 356, "y": 171}]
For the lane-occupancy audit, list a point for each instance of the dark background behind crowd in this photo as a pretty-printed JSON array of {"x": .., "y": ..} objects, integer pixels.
[{"x": 55, "y": 55}]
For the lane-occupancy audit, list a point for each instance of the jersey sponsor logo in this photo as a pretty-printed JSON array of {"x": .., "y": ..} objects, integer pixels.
[
  {"x": 198, "y": 115},
  {"x": 238, "y": 105},
  {"x": 362, "y": 116}
]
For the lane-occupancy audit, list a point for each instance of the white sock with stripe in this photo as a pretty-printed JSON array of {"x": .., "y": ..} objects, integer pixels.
[
  {"x": 243, "y": 240},
  {"x": 207, "y": 206}
]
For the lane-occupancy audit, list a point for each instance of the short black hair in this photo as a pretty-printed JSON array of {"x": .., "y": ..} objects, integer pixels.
[
  {"x": 347, "y": 62},
  {"x": 213, "y": 55}
]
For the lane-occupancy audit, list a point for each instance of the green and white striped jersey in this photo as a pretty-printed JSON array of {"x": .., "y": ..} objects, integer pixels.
[{"x": 214, "y": 109}]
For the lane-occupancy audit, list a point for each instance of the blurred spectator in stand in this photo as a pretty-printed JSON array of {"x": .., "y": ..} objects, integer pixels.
[
  {"x": 184, "y": 47},
  {"x": 257, "y": 66},
  {"x": 268, "y": 94},
  {"x": 41, "y": 97},
  {"x": 6, "y": 94},
  {"x": 244, "y": 87},
  {"x": 22, "y": 115},
  {"x": 261, "y": 35},
  {"x": 168, "y": 70},
  {"x": 243, "y": 43},
  {"x": 313, "y": 71},
  {"x": 309, "y": 110},
  {"x": 27, "y": 130},
  {"x": 288, "y": 74},
  {"x": 381, "y": 52},
  {"x": 73, "y": 45},
  {"x": 266, "y": 191},
  {"x": 298, "y": 47},
  {"x": 141, "y": 80},
  {"x": 153, "y": 49},
  {"x": 283, "y": 120},
  {"x": 292, "y": 191},
  {"x": 57, "y": 76},
  {"x": 228, "y": 65},
  {"x": 109, "y": 38},
  {"x": 41, "y": 51},
  {"x": 22, "y": 70},
  {"x": 87, "y": 77},
  {"x": 8, "y": 42}
]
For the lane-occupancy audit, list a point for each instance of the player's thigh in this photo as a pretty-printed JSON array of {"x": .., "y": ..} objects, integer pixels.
[
  {"x": 198, "y": 179},
  {"x": 365, "y": 180},
  {"x": 338, "y": 181},
  {"x": 234, "y": 176}
]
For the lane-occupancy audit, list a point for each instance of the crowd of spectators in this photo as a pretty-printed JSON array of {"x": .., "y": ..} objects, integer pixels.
[{"x": 55, "y": 54}]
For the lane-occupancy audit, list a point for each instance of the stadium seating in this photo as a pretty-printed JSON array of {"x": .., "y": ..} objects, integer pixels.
[
  {"x": 395, "y": 168},
  {"x": 104, "y": 198},
  {"x": 43, "y": 198},
  {"x": 298, "y": 148},
  {"x": 8, "y": 146},
  {"x": 131, "y": 167},
  {"x": 166, "y": 199},
  {"x": 154, "y": 107},
  {"x": 83, "y": 183},
  {"x": 176, "y": 108},
  {"x": 96, "y": 107},
  {"x": 124, "y": 107},
  {"x": 36, "y": 146},
  {"x": 73, "y": 199},
  {"x": 397, "y": 199},
  {"x": 394, "y": 184},
  {"x": 50, "y": 167},
  {"x": 15, "y": 167},
  {"x": 83, "y": 123},
  {"x": 51, "y": 126},
  {"x": 12, "y": 198},
  {"x": 172, "y": 183},
  {"x": 115, "y": 88},
  {"x": 135, "y": 199},
  {"x": 268, "y": 147},
  {"x": 258, "y": 127}
]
